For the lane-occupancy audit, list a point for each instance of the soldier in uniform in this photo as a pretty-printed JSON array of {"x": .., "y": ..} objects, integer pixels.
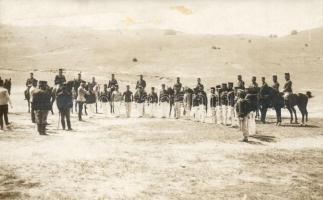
[
  {"x": 231, "y": 103},
  {"x": 60, "y": 78},
  {"x": 42, "y": 104},
  {"x": 164, "y": 101},
  {"x": 64, "y": 102},
  {"x": 240, "y": 83},
  {"x": 187, "y": 102},
  {"x": 201, "y": 99},
  {"x": 254, "y": 82},
  {"x": 152, "y": 102},
  {"x": 104, "y": 98},
  {"x": 224, "y": 103},
  {"x": 117, "y": 98},
  {"x": 252, "y": 98},
  {"x": 113, "y": 83},
  {"x": 264, "y": 99},
  {"x": 30, "y": 80},
  {"x": 275, "y": 83},
  {"x": 81, "y": 98},
  {"x": 141, "y": 83},
  {"x": 128, "y": 98},
  {"x": 177, "y": 85},
  {"x": 219, "y": 105},
  {"x": 242, "y": 110},
  {"x": 140, "y": 99},
  {"x": 213, "y": 104},
  {"x": 287, "y": 87},
  {"x": 77, "y": 84},
  {"x": 178, "y": 99},
  {"x": 31, "y": 93}
]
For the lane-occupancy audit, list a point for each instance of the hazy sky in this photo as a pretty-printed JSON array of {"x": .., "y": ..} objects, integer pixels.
[{"x": 200, "y": 16}]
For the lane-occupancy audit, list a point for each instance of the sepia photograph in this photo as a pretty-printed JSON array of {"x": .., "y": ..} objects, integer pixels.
[{"x": 161, "y": 99}]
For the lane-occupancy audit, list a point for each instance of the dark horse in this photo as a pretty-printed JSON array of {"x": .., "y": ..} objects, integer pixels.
[{"x": 276, "y": 100}]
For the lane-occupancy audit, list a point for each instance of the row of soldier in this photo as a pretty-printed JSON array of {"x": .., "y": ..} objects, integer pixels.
[{"x": 179, "y": 101}]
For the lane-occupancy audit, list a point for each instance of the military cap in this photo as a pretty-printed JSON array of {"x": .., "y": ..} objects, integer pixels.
[
  {"x": 230, "y": 83},
  {"x": 224, "y": 84},
  {"x": 60, "y": 69},
  {"x": 163, "y": 84},
  {"x": 152, "y": 88},
  {"x": 287, "y": 74},
  {"x": 218, "y": 86},
  {"x": 239, "y": 76},
  {"x": 253, "y": 77},
  {"x": 212, "y": 88},
  {"x": 274, "y": 76}
]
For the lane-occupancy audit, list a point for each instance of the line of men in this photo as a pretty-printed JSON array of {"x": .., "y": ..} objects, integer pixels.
[{"x": 183, "y": 102}]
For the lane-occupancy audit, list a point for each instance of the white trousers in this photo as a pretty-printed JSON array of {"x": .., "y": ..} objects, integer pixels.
[
  {"x": 201, "y": 113},
  {"x": 117, "y": 107},
  {"x": 232, "y": 114},
  {"x": 187, "y": 111},
  {"x": 252, "y": 123},
  {"x": 128, "y": 108},
  {"x": 164, "y": 109},
  {"x": 244, "y": 126},
  {"x": 219, "y": 115},
  {"x": 194, "y": 113},
  {"x": 140, "y": 109},
  {"x": 224, "y": 114},
  {"x": 152, "y": 109},
  {"x": 178, "y": 109},
  {"x": 214, "y": 114}
]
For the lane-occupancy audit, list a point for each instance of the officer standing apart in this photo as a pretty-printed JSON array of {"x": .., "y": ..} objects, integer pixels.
[
  {"x": 64, "y": 103},
  {"x": 242, "y": 110},
  {"x": 42, "y": 104}
]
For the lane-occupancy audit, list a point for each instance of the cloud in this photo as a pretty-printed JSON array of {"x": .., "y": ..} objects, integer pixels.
[{"x": 183, "y": 10}]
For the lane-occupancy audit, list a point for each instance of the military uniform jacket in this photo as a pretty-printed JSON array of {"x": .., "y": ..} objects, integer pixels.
[
  {"x": 42, "y": 100},
  {"x": 77, "y": 84},
  {"x": 177, "y": 86},
  {"x": 224, "y": 98},
  {"x": 113, "y": 83},
  {"x": 141, "y": 83},
  {"x": 201, "y": 98},
  {"x": 240, "y": 85},
  {"x": 140, "y": 97},
  {"x": 31, "y": 81},
  {"x": 104, "y": 96},
  {"x": 64, "y": 99},
  {"x": 179, "y": 97},
  {"x": 59, "y": 79},
  {"x": 276, "y": 86},
  {"x": 163, "y": 96},
  {"x": 127, "y": 95},
  {"x": 231, "y": 98},
  {"x": 213, "y": 100},
  {"x": 153, "y": 98},
  {"x": 288, "y": 86}
]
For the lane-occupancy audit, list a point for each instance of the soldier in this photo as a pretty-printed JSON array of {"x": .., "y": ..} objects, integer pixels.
[
  {"x": 113, "y": 83},
  {"x": 276, "y": 84},
  {"x": 254, "y": 84},
  {"x": 64, "y": 102},
  {"x": 178, "y": 99},
  {"x": 140, "y": 99},
  {"x": 213, "y": 104},
  {"x": 177, "y": 85},
  {"x": 128, "y": 98},
  {"x": 199, "y": 84},
  {"x": 240, "y": 83},
  {"x": 224, "y": 103},
  {"x": 42, "y": 104},
  {"x": 4, "y": 101},
  {"x": 152, "y": 102},
  {"x": 264, "y": 99},
  {"x": 252, "y": 98},
  {"x": 81, "y": 98},
  {"x": 242, "y": 110},
  {"x": 31, "y": 80},
  {"x": 202, "y": 104},
  {"x": 219, "y": 105},
  {"x": 231, "y": 103},
  {"x": 164, "y": 101},
  {"x": 141, "y": 83},
  {"x": 287, "y": 87},
  {"x": 60, "y": 78},
  {"x": 117, "y": 100},
  {"x": 187, "y": 102},
  {"x": 104, "y": 98},
  {"x": 77, "y": 83},
  {"x": 31, "y": 93}
]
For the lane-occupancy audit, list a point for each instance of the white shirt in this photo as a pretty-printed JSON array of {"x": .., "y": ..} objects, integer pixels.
[{"x": 4, "y": 96}]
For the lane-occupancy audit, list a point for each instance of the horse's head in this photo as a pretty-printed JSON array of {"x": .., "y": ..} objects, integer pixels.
[{"x": 309, "y": 94}]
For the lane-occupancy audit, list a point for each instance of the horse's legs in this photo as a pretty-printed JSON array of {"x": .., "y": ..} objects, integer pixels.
[
  {"x": 294, "y": 111},
  {"x": 28, "y": 106},
  {"x": 263, "y": 113},
  {"x": 291, "y": 114},
  {"x": 85, "y": 110},
  {"x": 306, "y": 113},
  {"x": 278, "y": 115}
]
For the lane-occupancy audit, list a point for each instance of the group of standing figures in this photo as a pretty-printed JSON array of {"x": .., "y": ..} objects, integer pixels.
[{"x": 237, "y": 106}]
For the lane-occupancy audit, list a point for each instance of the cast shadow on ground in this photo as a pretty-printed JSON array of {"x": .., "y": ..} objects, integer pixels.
[
  {"x": 264, "y": 138},
  {"x": 299, "y": 126}
]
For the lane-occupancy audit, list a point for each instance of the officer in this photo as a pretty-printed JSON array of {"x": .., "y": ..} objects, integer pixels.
[
  {"x": 240, "y": 83},
  {"x": 64, "y": 104},
  {"x": 287, "y": 87},
  {"x": 164, "y": 101},
  {"x": 275, "y": 83},
  {"x": 254, "y": 82},
  {"x": 141, "y": 82},
  {"x": 113, "y": 83},
  {"x": 199, "y": 84},
  {"x": 60, "y": 78},
  {"x": 252, "y": 98},
  {"x": 41, "y": 105},
  {"x": 31, "y": 80}
]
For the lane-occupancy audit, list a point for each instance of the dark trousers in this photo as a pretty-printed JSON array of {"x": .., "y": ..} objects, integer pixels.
[
  {"x": 263, "y": 110},
  {"x": 278, "y": 113},
  {"x": 80, "y": 104},
  {"x": 3, "y": 114},
  {"x": 65, "y": 114}
]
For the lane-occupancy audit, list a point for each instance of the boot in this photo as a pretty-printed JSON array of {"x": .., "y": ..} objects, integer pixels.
[{"x": 39, "y": 129}]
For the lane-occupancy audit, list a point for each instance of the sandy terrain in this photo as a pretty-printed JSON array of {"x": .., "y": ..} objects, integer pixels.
[{"x": 108, "y": 158}]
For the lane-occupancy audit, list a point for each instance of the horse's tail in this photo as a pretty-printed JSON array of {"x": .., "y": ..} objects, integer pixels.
[{"x": 309, "y": 94}]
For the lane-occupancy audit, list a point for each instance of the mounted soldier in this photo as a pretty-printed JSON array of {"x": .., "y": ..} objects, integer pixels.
[
  {"x": 240, "y": 83},
  {"x": 141, "y": 82},
  {"x": 287, "y": 87},
  {"x": 178, "y": 85},
  {"x": 41, "y": 105},
  {"x": 264, "y": 99},
  {"x": 275, "y": 83},
  {"x": 199, "y": 84},
  {"x": 60, "y": 78},
  {"x": 113, "y": 83}
]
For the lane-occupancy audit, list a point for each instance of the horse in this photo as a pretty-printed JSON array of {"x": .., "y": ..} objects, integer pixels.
[
  {"x": 264, "y": 102},
  {"x": 91, "y": 98}
]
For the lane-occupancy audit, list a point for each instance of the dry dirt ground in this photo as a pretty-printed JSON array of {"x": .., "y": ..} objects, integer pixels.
[{"x": 110, "y": 158}]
